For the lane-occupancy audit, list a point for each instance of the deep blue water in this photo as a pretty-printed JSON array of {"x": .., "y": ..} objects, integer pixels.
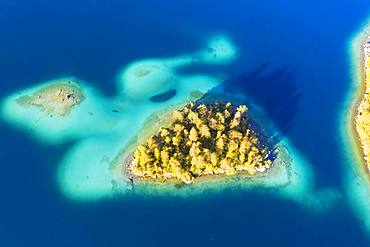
[{"x": 301, "y": 46}]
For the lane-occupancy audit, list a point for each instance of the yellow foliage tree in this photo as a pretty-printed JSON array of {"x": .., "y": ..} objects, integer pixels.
[{"x": 202, "y": 140}]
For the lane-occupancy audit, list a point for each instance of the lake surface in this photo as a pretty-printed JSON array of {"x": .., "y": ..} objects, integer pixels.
[{"x": 294, "y": 61}]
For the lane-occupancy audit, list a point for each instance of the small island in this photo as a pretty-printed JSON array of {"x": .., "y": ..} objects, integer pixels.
[
  {"x": 201, "y": 141},
  {"x": 356, "y": 130},
  {"x": 58, "y": 98},
  {"x": 362, "y": 116},
  {"x": 230, "y": 146}
]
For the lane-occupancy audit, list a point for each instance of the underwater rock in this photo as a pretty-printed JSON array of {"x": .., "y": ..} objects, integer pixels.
[{"x": 163, "y": 96}]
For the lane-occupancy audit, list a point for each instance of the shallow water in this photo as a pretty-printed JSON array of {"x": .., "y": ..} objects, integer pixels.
[{"x": 302, "y": 88}]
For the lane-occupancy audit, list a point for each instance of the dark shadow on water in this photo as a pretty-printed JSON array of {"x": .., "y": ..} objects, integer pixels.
[{"x": 273, "y": 91}]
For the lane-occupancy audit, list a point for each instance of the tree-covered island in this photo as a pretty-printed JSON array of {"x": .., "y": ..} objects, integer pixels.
[{"x": 201, "y": 140}]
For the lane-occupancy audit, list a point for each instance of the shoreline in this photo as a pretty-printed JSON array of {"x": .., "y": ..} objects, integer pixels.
[
  {"x": 282, "y": 165},
  {"x": 121, "y": 164},
  {"x": 357, "y": 97},
  {"x": 356, "y": 178}
]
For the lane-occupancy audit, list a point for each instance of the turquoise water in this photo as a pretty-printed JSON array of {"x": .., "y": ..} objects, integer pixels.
[{"x": 293, "y": 61}]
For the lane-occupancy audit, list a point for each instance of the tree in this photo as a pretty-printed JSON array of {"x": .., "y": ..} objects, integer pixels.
[{"x": 202, "y": 140}]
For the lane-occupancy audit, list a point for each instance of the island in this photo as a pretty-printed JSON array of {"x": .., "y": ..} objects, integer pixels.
[
  {"x": 202, "y": 148},
  {"x": 362, "y": 115},
  {"x": 201, "y": 141},
  {"x": 356, "y": 128},
  {"x": 58, "y": 98}
]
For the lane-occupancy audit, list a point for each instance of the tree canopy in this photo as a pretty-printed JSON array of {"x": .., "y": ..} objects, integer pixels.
[{"x": 214, "y": 139}]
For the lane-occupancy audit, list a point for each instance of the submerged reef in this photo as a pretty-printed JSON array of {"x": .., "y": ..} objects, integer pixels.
[
  {"x": 201, "y": 140},
  {"x": 362, "y": 118},
  {"x": 58, "y": 98}
]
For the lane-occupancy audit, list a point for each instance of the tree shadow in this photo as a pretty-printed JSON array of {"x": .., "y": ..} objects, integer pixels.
[{"x": 273, "y": 91}]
